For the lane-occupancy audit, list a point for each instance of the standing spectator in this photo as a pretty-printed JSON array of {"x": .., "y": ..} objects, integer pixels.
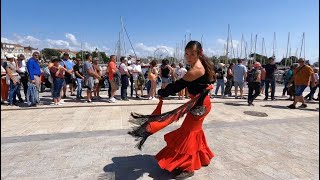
[
  {"x": 254, "y": 84},
  {"x": 129, "y": 67},
  {"x": 57, "y": 74},
  {"x": 97, "y": 70},
  {"x": 112, "y": 70},
  {"x": 153, "y": 76},
  {"x": 164, "y": 73},
  {"x": 78, "y": 70},
  {"x": 124, "y": 78},
  {"x": 89, "y": 74},
  {"x": 229, "y": 83},
  {"x": 109, "y": 85},
  {"x": 239, "y": 75},
  {"x": 173, "y": 71},
  {"x": 302, "y": 76},
  {"x": 220, "y": 73},
  {"x": 4, "y": 85},
  {"x": 263, "y": 79},
  {"x": 136, "y": 71},
  {"x": 287, "y": 76},
  {"x": 181, "y": 72},
  {"x": 33, "y": 67},
  {"x": 310, "y": 96},
  {"x": 11, "y": 69},
  {"x": 270, "y": 78},
  {"x": 68, "y": 64},
  {"x": 22, "y": 70}
]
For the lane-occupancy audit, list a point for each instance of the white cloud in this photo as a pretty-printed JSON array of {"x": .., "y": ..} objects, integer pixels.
[
  {"x": 223, "y": 42},
  {"x": 6, "y": 40},
  {"x": 72, "y": 39},
  {"x": 26, "y": 40},
  {"x": 59, "y": 43},
  {"x": 145, "y": 50}
]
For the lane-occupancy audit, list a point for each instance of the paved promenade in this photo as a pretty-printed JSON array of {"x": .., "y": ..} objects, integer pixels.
[{"x": 89, "y": 141}]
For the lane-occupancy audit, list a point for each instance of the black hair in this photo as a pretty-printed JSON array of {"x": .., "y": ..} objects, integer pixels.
[
  {"x": 208, "y": 66},
  {"x": 87, "y": 55}
]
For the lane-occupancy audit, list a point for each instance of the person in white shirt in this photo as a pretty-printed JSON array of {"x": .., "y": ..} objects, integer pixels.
[
  {"x": 180, "y": 73},
  {"x": 124, "y": 78},
  {"x": 22, "y": 70},
  {"x": 136, "y": 70},
  {"x": 129, "y": 67}
]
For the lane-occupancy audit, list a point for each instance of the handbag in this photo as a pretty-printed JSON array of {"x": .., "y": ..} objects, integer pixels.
[{"x": 225, "y": 79}]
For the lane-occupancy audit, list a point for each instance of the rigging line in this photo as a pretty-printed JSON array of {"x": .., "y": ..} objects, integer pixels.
[
  {"x": 301, "y": 46},
  {"x": 124, "y": 43},
  {"x": 130, "y": 41}
]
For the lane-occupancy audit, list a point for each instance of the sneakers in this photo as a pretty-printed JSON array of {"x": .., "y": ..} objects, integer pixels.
[
  {"x": 112, "y": 100},
  {"x": 292, "y": 106},
  {"x": 150, "y": 98},
  {"x": 124, "y": 99},
  {"x": 303, "y": 106},
  {"x": 154, "y": 98}
]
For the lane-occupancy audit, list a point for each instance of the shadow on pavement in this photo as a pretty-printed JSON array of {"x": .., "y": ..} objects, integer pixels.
[
  {"x": 134, "y": 167},
  {"x": 276, "y": 106},
  {"x": 235, "y": 104}
]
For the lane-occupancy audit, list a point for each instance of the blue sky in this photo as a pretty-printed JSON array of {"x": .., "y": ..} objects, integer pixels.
[{"x": 155, "y": 24}]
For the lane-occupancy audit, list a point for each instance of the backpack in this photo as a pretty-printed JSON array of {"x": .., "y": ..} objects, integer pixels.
[
  {"x": 117, "y": 78},
  {"x": 251, "y": 76},
  {"x": 141, "y": 80}
]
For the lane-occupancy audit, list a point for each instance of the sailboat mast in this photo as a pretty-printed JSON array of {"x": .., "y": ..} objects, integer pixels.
[
  {"x": 287, "y": 49},
  {"x": 227, "y": 49},
  {"x": 255, "y": 47}
]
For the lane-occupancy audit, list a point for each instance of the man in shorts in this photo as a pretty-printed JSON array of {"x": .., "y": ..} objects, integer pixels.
[
  {"x": 239, "y": 75},
  {"x": 302, "y": 76},
  {"x": 112, "y": 69},
  {"x": 89, "y": 74}
]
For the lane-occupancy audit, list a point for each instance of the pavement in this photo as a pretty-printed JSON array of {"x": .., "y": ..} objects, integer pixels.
[{"x": 89, "y": 141}]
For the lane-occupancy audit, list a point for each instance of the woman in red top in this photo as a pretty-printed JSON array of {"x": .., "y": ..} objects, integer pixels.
[
  {"x": 57, "y": 74},
  {"x": 186, "y": 149}
]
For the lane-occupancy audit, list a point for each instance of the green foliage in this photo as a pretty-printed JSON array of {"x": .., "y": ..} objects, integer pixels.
[
  {"x": 260, "y": 58},
  {"x": 290, "y": 60},
  {"x": 104, "y": 57},
  {"x": 47, "y": 53},
  {"x": 79, "y": 54}
]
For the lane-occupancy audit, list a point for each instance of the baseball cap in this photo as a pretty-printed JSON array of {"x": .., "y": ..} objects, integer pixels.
[
  {"x": 8, "y": 56},
  {"x": 21, "y": 56}
]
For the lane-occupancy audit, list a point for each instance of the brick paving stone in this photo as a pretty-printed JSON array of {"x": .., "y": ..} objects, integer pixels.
[{"x": 91, "y": 142}]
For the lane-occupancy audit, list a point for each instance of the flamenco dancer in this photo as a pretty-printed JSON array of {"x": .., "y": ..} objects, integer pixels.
[{"x": 187, "y": 148}]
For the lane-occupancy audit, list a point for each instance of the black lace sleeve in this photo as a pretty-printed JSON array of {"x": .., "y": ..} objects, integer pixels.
[{"x": 173, "y": 88}]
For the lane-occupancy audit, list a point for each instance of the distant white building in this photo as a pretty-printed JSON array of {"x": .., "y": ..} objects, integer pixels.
[{"x": 14, "y": 49}]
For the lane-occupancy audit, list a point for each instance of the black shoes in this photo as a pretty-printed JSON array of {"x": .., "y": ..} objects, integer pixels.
[
  {"x": 184, "y": 175},
  {"x": 292, "y": 106},
  {"x": 303, "y": 106}
]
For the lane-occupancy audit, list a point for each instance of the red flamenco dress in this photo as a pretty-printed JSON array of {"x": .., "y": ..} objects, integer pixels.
[{"x": 187, "y": 148}]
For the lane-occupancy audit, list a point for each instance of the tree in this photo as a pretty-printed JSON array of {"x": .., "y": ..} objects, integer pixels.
[
  {"x": 79, "y": 54},
  {"x": 259, "y": 58},
  {"x": 290, "y": 60},
  {"x": 104, "y": 57},
  {"x": 48, "y": 53}
]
